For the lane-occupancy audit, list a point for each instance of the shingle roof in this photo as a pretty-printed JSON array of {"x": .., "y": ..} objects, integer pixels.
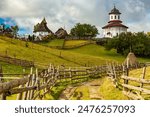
[
  {"x": 61, "y": 33},
  {"x": 42, "y": 27},
  {"x": 114, "y": 11},
  {"x": 115, "y": 23}
]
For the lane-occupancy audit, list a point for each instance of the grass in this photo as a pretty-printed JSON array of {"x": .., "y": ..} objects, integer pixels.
[
  {"x": 138, "y": 73},
  {"x": 9, "y": 68},
  {"x": 59, "y": 87},
  {"x": 109, "y": 92},
  {"x": 75, "y": 42},
  {"x": 42, "y": 55},
  {"x": 81, "y": 93},
  {"x": 98, "y": 51},
  {"x": 55, "y": 42}
]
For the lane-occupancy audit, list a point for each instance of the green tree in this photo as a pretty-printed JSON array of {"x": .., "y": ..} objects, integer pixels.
[
  {"x": 15, "y": 30},
  {"x": 138, "y": 43},
  {"x": 84, "y": 30}
]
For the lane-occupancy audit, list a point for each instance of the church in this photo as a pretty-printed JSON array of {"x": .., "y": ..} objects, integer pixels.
[
  {"x": 41, "y": 30},
  {"x": 114, "y": 26}
]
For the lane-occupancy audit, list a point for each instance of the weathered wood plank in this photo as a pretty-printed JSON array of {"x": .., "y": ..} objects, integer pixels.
[
  {"x": 145, "y": 81},
  {"x": 136, "y": 88},
  {"x": 14, "y": 83},
  {"x": 132, "y": 96}
]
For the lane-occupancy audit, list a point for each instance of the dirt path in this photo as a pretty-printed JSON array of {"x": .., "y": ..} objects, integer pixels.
[
  {"x": 93, "y": 88},
  {"x": 67, "y": 93}
]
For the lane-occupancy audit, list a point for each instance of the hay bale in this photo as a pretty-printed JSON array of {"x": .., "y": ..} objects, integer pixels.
[{"x": 131, "y": 60}]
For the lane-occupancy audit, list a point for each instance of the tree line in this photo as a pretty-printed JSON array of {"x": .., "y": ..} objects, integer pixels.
[{"x": 138, "y": 43}]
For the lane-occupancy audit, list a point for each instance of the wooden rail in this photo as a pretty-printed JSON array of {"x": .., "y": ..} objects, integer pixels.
[
  {"x": 119, "y": 73},
  {"x": 30, "y": 86},
  {"x": 16, "y": 61}
]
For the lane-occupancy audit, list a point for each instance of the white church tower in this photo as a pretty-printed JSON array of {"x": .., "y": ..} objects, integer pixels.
[{"x": 114, "y": 26}]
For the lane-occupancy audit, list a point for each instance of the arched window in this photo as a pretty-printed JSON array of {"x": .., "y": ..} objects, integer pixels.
[
  {"x": 111, "y": 17},
  {"x": 115, "y": 17},
  {"x": 118, "y": 17}
]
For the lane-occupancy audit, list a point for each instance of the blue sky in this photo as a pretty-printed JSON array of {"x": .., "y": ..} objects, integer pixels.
[
  {"x": 66, "y": 13},
  {"x": 7, "y": 21}
]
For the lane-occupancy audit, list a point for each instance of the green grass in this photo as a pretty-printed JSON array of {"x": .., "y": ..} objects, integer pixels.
[
  {"x": 55, "y": 42},
  {"x": 98, "y": 51},
  {"x": 75, "y": 42},
  {"x": 109, "y": 92},
  {"x": 87, "y": 55},
  {"x": 42, "y": 55},
  {"x": 9, "y": 68},
  {"x": 81, "y": 93},
  {"x": 138, "y": 73}
]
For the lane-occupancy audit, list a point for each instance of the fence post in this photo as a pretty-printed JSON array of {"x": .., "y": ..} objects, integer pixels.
[
  {"x": 143, "y": 76},
  {"x": 127, "y": 74},
  {"x": 3, "y": 96},
  {"x": 1, "y": 74},
  {"x": 114, "y": 76},
  {"x": 20, "y": 95}
]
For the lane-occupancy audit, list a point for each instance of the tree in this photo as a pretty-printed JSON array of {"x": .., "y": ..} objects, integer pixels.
[
  {"x": 15, "y": 30},
  {"x": 138, "y": 43},
  {"x": 84, "y": 30}
]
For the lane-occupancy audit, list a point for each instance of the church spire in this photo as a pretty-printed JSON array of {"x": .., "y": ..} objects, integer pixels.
[{"x": 44, "y": 21}]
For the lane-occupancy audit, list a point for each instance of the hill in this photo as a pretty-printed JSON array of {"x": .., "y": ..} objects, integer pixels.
[{"x": 43, "y": 54}]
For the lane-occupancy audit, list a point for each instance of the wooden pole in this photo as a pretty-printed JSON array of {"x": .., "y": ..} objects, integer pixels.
[
  {"x": 3, "y": 95},
  {"x": 127, "y": 74},
  {"x": 1, "y": 74},
  {"x": 20, "y": 95},
  {"x": 143, "y": 76}
]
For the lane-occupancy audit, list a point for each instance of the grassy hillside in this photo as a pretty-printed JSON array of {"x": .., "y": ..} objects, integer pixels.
[
  {"x": 42, "y": 55},
  {"x": 53, "y": 43},
  {"x": 8, "y": 68},
  {"x": 75, "y": 42},
  {"x": 138, "y": 73},
  {"x": 88, "y": 55},
  {"x": 98, "y": 51}
]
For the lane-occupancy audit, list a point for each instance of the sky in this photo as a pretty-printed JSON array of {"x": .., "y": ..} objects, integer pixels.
[{"x": 66, "y": 13}]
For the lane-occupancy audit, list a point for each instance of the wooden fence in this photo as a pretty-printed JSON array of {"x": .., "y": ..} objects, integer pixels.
[
  {"x": 16, "y": 61},
  {"x": 134, "y": 88},
  {"x": 37, "y": 85}
]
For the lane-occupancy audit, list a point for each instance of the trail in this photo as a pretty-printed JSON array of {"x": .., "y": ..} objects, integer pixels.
[{"x": 93, "y": 89}]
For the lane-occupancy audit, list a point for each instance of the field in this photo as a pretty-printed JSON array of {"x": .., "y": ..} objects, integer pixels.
[{"x": 43, "y": 54}]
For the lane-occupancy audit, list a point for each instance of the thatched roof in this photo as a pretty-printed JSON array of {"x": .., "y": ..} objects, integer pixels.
[
  {"x": 42, "y": 27},
  {"x": 61, "y": 33},
  {"x": 131, "y": 59}
]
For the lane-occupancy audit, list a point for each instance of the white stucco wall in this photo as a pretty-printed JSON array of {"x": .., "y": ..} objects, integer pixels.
[
  {"x": 41, "y": 33},
  {"x": 114, "y": 31}
]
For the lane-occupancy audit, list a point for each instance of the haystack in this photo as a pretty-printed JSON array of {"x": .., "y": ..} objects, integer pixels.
[{"x": 131, "y": 60}]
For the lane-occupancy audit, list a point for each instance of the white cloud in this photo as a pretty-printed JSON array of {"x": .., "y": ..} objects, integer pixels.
[{"x": 60, "y": 13}]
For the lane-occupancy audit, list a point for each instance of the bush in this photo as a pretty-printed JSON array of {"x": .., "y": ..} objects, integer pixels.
[{"x": 138, "y": 43}]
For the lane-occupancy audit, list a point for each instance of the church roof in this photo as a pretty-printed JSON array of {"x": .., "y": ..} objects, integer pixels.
[
  {"x": 114, "y": 11},
  {"x": 115, "y": 21},
  {"x": 114, "y": 24},
  {"x": 42, "y": 27},
  {"x": 61, "y": 33}
]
